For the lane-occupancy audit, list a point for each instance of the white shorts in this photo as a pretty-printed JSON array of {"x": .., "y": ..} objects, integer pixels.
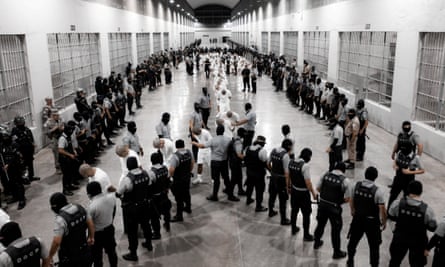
[{"x": 203, "y": 156}]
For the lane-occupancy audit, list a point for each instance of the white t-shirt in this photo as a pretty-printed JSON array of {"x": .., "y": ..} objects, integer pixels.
[
  {"x": 168, "y": 150},
  {"x": 123, "y": 161},
  {"x": 102, "y": 178}
]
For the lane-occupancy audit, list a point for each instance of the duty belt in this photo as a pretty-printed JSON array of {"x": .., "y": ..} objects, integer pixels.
[
  {"x": 299, "y": 188},
  {"x": 329, "y": 202}
]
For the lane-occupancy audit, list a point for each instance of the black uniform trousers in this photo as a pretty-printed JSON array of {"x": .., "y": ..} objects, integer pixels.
[
  {"x": 399, "y": 184},
  {"x": 254, "y": 87},
  {"x": 246, "y": 83},
  {"x": 218, "y": 169},
  {"x": 371, "y": 227},
  {"x": 404, "y": 242},
  {"x": 277, "y": 187},
  {"x": 236, "y": 173},
  {"x": 82, "y": 258},
  {"x": 130, "y": 100},
  {"x": 207, "y": 71},
  {"x": 248, "y": 137},
  {"x": 301, "y": 200},
  {"x": 28, "y": 160},
  {"x": 181, "y": 191},
  {"x": 137, "y": 214},
  {"x": 439, "y": 256},
  {"x": 333, "y": 214},
  {"x": 205, "y": 112},
  {"x": 257, "y": 182},
  {"x": 104, "y": 240},
  {"x": 361, "y": 146},
  {"x": 13, "y": 183},
  {"x": 161, "y": 206},
  {"x": 68, "y": 168},
  {"x": 335, "y": 156}
]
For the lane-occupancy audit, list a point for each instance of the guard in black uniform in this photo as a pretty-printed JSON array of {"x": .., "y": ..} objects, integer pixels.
[
  {"x": 11, "y": 170},
  {"x": 300, "y": 187},
  {"x": 413, "y": 219},
  {"x": 68, "y": 160},
  {"x": 256, "y": 166},
  {"x": 368, "y": 217},
  {"x": 134, "y": 190},
  {"x": 278, "y": 164},
  {"x": 236, "y": 156},
  {"x": 21, "y": 252},
  {"x": 438, "y": 241},
  {"x": 24, "y": 139},
  {"x": 333, "y": 188},
  {"x": 71, "y": 225},
  {"x": 181, "y": 165},
  {"x": 161, "y": 204}
]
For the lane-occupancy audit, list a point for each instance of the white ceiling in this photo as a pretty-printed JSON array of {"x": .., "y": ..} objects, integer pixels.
[{"x": 197, "y": 3}]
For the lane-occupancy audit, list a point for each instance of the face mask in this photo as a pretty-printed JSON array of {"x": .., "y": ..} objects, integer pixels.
[
  {"x": 351, "y": 116},
  {"x": 407, "y": 129},
  {"x": 165, "y": 121},
  {"x": 132, "y": 130}
]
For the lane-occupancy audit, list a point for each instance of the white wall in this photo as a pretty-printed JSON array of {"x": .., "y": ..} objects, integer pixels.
[
  {"x": 407, "y": 17},
  {"x": 37, "y": 18}
]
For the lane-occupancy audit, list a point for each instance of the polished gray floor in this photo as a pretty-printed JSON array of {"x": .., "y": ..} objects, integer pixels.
[{"x": 227, "y": 233}]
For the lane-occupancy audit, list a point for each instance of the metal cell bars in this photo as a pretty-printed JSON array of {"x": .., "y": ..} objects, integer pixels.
[
  {"x": 157, "y": 45},
  {"x": 275, "y": 43},
  {"x": 430, "y": 107},
  {"x": 120, "y": 51},
  {"x": 264, "y": 42},
  {"x": 246, "y": 39},
  {"x": 143, "y": 46},
  {"x": 166, "y": 41},
  {"x": 290, "y": 46},
  {"x": 14, "y": 90},
  {"x": 75, "y": 63},
  {"x": 316, "y": 51},
  {"x": 366, "y": 64}
]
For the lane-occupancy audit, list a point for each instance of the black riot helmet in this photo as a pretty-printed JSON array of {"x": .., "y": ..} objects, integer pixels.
[
  {"x": 68, "y": 129},
  {"x": 165, "y": 118},
  {"x": 19, "y": 121},
  {"x": 5, "y": 136}
]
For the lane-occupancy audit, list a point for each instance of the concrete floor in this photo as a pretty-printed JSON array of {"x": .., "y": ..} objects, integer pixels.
[{"x": 227, "y": 233}]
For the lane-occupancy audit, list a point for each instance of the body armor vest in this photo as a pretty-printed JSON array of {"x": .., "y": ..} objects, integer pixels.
[
  {"x": 332, "y": 189},
  {"x": 403, "y": 160},
  {"x": 254, "y": 166},
  {"x": 411, "y": 219},
  {"x": 75, "y": 241},
  {"x": 182, "y": 171},
  {"x": 296, "y": 174},
  {"x": 162, "y": 181},
  {"x": 140, "y": 194},
  {"x": 277, "y": 162},
  {"x": 364, "y": 201},
  {"x": 27, "y": 255},
  {"x": 404, "y": 141}
]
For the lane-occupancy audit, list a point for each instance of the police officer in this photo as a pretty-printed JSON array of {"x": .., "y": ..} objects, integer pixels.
[
  {"x": 81, "y": 102},
  {"x": 333, "y": 188},
  {"x": 362, "y": 114},
  {"x": 236, "y": 157},
  {"x": 413, "y": 219},
  {"x": 219, "y": 147},
  {"x": 101, "y": 209},
  {"x": 368, "y": 217},
  {"x": 299, "y": 187},
  {"x": 54, "y": 129},
  {"x": 21, "y": 251},
  {"x": 406, "y": 164},
  {"x": 23, "y": 137},
  {"x": 134, "y": 191},
  {"x": 407, "y": 139},
  {"x": 438, "y": 241},
  {"x": 335, "y": 148},
  {"x": 131, "y": 139},
  {"x": 181, "y": 165},
  {"x": 11, "y": 170},
  {"x": 250, "y": 122},
  {"x": 68, "y": 160},
  {"x": 161, "y": 204},
  {"x": 207, "y": 67},
  {"x": 70, "y": 240},
  {"x": 256, "y": 165},
  {"x": 278, "y": 164},
  {"x": 163, "y": 128}
]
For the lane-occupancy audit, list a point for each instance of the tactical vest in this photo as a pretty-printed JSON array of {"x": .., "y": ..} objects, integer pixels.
[
  {"x": 360, "y": 116},
  {"x": 140, "y": 194},
  {"x": 254, "y": 166},
  {"x": 232, "y": 155},
  {"x": 75, "y": 241},
  {"x": 162, "y": 182},
  {"x": 403, "y": 160},
  {"x": 404, "y": 141},
  {"x": 69, "y": 148},
  {"x": 332, "y": 189},
  {"x": 296, "y": 174},
  {"x": 277, "y": 162},
  {"x": 26, "y": 256},
  {"x": 182, "y": 171},
  {"x": 364, "y": 201},
  {"x": 24, "y": 137},
  {"x": 411, "y": 220}
]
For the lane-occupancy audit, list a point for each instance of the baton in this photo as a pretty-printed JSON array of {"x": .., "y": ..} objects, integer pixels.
[{"x": 3, "y": 163}]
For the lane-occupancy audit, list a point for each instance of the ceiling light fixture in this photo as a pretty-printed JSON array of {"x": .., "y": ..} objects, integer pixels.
[
  {"x": 178, "y": 5},
  {"x": 172, "y": 1}
]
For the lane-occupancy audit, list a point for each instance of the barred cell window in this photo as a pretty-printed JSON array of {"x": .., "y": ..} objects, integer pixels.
[
  {"x": 246, "y": 39},
  {"x": 366, "y": 64},
  {"x": 430, "y": 107},
  {"x": 166, "y": 41},
  {"x": 14, "y": 87},
  {"x": 143, "y": 46},
  {"x": 157, "y": 45},
  {"x": 316, "y": 51},
  {"x": 275, "y": 43},
  {"x": 290, "y": 46},
  {"x": 264, "y": 42},
  {"x": 75, "y": 63},
  {"x": 120, "y": 51}
]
